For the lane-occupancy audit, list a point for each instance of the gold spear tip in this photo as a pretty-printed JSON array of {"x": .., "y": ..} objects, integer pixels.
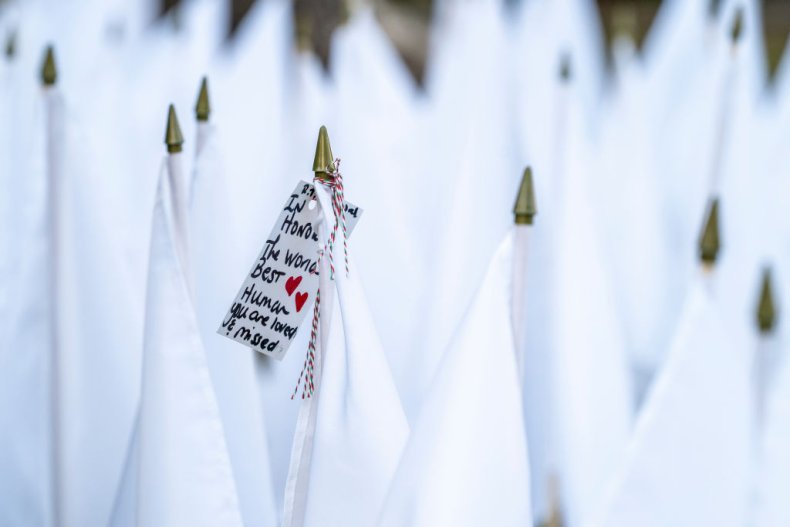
[
  {"x": 173, "y": 137},
  {"x": 737, "y": 26},
  {"x": 566, "y": 69},
  {"x": 525, "y": 209},
  {"x": 323, "y": 153},
  {"x": 49, "y": 73},
  {"x": 709, "y": 244},
  {"x": 203, "y": 107},
  {"x": 766, "y": 310},
  {"x": 10, "y": 45}
]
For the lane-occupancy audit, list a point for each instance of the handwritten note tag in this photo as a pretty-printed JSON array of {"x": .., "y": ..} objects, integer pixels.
[{"x": 281, "y": 286}]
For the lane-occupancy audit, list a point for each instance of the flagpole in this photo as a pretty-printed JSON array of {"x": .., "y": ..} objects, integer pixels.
[
  {"x": 561, "y": 123},
  {"x": 49, "y": 76},
  {"x": 766, "y": 344},
  {"x": 10, "y": 45},
  {"x": 547, "y": 359},
  {"x": 765, "y": 353},
  {"x": 179, "y": 187},
  {"x": 296, "y": 486},
  {"x": 724, "y": 113},
  {"x": 524, "y": 212}
]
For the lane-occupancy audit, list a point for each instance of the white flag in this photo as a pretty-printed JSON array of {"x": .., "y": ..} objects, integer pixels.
[
  {"x": 85, "y": 328},
  {"x": 373, "y": 87},
  {"x": 26, "y": 331},
  {"x": 184, "y": 474},
  {"x": 351, "y": 432},
  {"x": 689, "y": 461},
  {"x": 251, "y": 74},
  {"x": 771, "y": 507},
  {"x": 476, "y": 188},
  {"x": 466, "y": 462},
  {"x": 648, "y": 288},
  {"x": 219, "y": 262},
  {"x": 579, "y": 414}
]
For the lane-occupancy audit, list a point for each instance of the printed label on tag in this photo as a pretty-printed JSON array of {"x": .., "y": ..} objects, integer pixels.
[{"x": 281, "y": 286}]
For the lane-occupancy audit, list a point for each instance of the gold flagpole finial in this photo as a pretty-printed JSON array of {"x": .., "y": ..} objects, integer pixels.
[
  {"x": 566, "y": 69},
  {"x": 203, "y": 108},
  {"x": 736, "y": 30},
  {"x": 713, "y": 8},
  {"x": 322, "y": 164},
  {"x": 766, "y": 310},
  {"x": 49, "y": 73},
  {"x": 525, "y": 209},
  {"x": 709, "y": 243},
  {"x": 10, "y": 45},
  {"x": 173, "y": 138}
]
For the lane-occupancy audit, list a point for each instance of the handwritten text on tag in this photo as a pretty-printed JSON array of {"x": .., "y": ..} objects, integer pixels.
[{"x": 281, "y": 286}]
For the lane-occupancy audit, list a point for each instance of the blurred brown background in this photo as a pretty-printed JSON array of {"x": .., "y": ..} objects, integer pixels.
[{"x": 407, "y": 22}]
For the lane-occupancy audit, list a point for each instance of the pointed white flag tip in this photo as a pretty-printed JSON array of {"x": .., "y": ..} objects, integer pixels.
[
  {"x": 466, "y": 460},
  {"x": 689, "y": 461},
  {"x": 184, "y": 476}
]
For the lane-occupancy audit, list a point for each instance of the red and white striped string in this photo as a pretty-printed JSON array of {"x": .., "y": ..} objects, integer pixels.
[
  {"x": 335, "y": 183},
  {"x": 309, "y": 360}
]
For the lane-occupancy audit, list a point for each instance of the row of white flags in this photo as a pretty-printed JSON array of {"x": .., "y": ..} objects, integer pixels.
[{"x": 584, "y": 369}]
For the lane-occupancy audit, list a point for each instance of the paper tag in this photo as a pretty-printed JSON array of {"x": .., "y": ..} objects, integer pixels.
[{"x": 281, "y": 286}]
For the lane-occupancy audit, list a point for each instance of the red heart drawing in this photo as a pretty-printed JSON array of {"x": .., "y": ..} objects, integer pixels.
[
  {"x": 292, "y": 283},
  {"x": 301, "y": 298}
]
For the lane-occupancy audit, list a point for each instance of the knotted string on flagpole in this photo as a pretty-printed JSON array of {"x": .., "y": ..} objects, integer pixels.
[{"x": 335, "y": 184}]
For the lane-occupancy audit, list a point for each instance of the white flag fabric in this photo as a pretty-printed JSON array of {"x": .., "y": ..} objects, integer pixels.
[
  {"x": 542, "y": 125},
  {"x": 219, "y": 264},
  {"x": 648, "y": 290},
  {"x": 469, "y": 36},
  {"x": 689, "y": 460},
  {"x": 686, "y": 60},
  {"x": 25, "y": 459},
  {"x": 374, "y": 87},
  {"x": 466, "y": 461},
  {"x": 259, "y": 69},
  {"x": 76, "y": 345},
  {"x": 351, "y": 432},
  {"x": 703, "y": 133},
  {"x": 577, "y": 385},
  {"x": 183, "y": 471},
  {"x": 770, "y": 505},
  {"x": 745, "y": 180},
  {"x": 592, "y": 389},
  {"x": 251, "y": 72},
  {"x": 545, "y": 32},
  {"x": 24, "y": 233}
]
